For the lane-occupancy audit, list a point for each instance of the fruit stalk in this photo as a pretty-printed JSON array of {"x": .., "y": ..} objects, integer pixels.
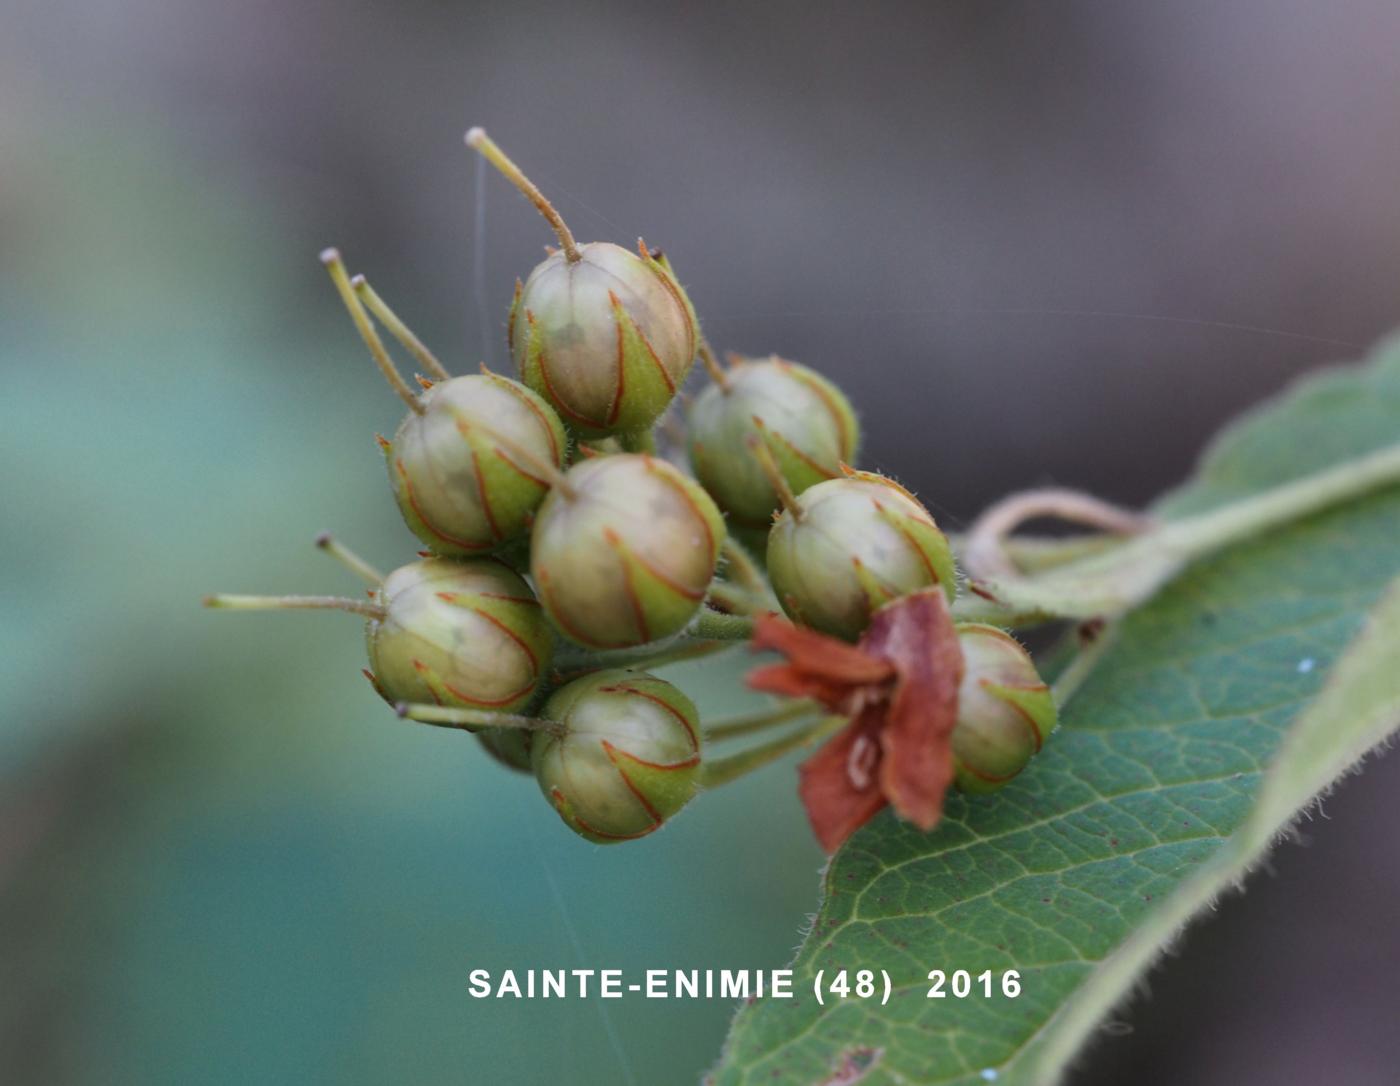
[
  {"x": 479, "y": 141},
  {"x": 723, "y": 770}
]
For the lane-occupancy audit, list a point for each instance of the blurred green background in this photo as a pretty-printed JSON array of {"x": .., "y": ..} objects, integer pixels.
[{"x": 1035, "y": 243}]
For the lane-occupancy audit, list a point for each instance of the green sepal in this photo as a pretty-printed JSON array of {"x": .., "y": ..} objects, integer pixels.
[
  {"x": 661, "y": 263},
  {"x": 836, "y": 403},
  {"x": 645, "y": 386},
  {"x": 797, "y": 469},
  {"x": 1035, "y": 701},
  {"x": 657, "y": 604},
  {"x": 532, "y": 369},
  {"x": 514, "y": 312},
  {"x": 876, "y": 591},
  {"x": 667, "y": 788},
  {"x": 931, "y": 543}
]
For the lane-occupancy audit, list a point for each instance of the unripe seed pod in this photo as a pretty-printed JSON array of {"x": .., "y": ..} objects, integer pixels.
[
  {"x": 464, "y": 470},
  {"x": 606, "y": 338},
  {"x": 1005, "y": 710},
  {"x": 805, "y": 420},
  {"x": 623, "y": 550},
  {"x": 848, "y": 546},
  {"x": 465, "y": 634},
  {"x": 627, "y": 758}
]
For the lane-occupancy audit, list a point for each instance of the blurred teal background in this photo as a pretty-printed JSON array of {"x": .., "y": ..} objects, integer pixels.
[
  {"x": 1034, "y": 247},
  {"x": 224, "y": 860},
  {"x": 227, "y": 860}
]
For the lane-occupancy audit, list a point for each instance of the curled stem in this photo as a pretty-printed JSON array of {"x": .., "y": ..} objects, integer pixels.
[
  {"x": 398, "y": 329},
  {"x": 331, "y": 259},
  {"x": 1111, "y": 582},
  {"x": 227, "y": 602},
  {"x": 985, "y": 547},
  {"x": 1035, "y": 553},
  {"x": 349, "y": 559},
  {"x": 748, "y": 723},
  {"x": 479, "y": 141},
  {"x": 730, "y": 768}
]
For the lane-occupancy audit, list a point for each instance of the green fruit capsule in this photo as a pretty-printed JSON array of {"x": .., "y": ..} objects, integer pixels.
[
  {"x": 1005, "y": 711},
  {"x": 626, "y": 758},
  {"x": 604, "y": 334},
  {"x": 465, "y": 634},
  {"x": 606, "y": 338},
  {"x": 805, "y": 421},
  {"x": 623, "y": 551},
  {"x": 464, "y": 470},
  {"x": 848, "y": 546}
]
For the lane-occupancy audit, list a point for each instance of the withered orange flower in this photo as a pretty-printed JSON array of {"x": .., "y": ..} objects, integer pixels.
[{"x": 899, "y": 689}]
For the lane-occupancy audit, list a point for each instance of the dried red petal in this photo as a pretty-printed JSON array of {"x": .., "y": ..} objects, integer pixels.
[
  {"x": 818, "y": 654},
  {"x": 837, "y": 804},
  {"x": 792, "y": 682},
  {"x": 916, "y": 634},
  {"x": 901, "y": 681}
]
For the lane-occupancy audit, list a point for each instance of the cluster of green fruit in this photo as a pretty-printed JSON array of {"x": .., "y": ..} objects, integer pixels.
[{"x": 564, "y": 555}]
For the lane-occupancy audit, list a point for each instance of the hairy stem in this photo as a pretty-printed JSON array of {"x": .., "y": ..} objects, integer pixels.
[
  {"x": 1109, "y": 583},
  {"x": 714, "y": 626},
  {"x": 648, "y": 656},
  {"x": 398, "y": 329},
  {"x": 479, "y": 141},
  {"x": 760, "y": 720},
  {"x": 349, "y": 559},
  {"x": 336, "y": 267},
  {"x": 730, "y": 768},
  {"x": 225, "y": 602},
  {"x": 446, "y": 716},
  {"x": 746, "y": 572},
  {"x": 712, "y": 365},
  {"x": 984, "y": 549}
]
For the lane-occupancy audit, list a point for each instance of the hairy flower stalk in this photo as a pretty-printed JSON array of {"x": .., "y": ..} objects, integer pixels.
[
  {"x": 349, "y": 559},
  {"x": 400, "y": 331},
  {"x": 731, "y": 768},
  {"x": 336, "y": 267}
]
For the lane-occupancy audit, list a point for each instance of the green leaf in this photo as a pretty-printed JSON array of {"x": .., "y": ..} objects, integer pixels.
[{"x": 1219, "y": 709}]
